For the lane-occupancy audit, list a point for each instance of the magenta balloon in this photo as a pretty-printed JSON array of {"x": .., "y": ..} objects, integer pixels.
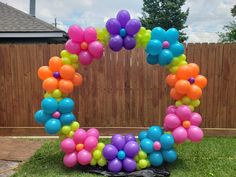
[
  {"x": 90, "y": 34},
  {"x": 76, "y": 33},
  {"x": 113, "y": 26},
  {"x": 85, "y": 58},
  {"x": 115, "y": 165},
  {"x": 129, "y": 137},
  {"x": 172, "y": 121},
  {"x": 171, "y": 109},
  {"x": 123, "y": 17},
  {"x": 70, "y": 160},
  {"x": 118, "y": 141},
  {"x": 67, "y": 145},
  {"x": 129, "y": 42},
  {"x": 129, "y": 164},
  {"x": 183, "y": 112},
  {"x": 93, "y": 132},
  {"x": 79, "y": 136},
  {"x": 96, "y": 49},
  {"x": 195, "y": 119},
  {"x": 116, "y": 43},
  {"x": 72, "y": 47},
  {"x": 180, "y": 135},
  {"x": 109, "y": 152},
  {"x": 84, "y": 157},
  {"x": 133, "y": 26},
  {"x": 90, "y": 143},
  {"x": 195, "y": 134},
  {"x": 131, "y": 149}
]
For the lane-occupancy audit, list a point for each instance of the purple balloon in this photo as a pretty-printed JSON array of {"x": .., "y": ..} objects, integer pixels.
[
  {"x": 133, "y": 26},
  {"x": 129, "y": 164},
  {"x": 109, "y": 152},
  {"x": 115, "y": 165},
  {"x": 131, "y": 149},
  {"x": 123, "y": 17},
  {"x": 129, "y": 42},
  {"x": 116, "y": 43},
  {"x": 129, "y": 137},
  {"x": 118, "y": 141},
  {"x": 113, "y": 26}
]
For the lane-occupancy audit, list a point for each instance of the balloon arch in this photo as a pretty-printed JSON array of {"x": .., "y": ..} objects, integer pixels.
[{"x": 156, "y": 145}]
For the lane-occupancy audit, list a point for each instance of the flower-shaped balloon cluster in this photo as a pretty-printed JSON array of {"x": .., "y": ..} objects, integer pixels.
[
  {"x": 103, "y": 36},
  {"x": 163, "y": 46},
  {"x": 143, "y": 37},
  {"x": 84, "y": 43},
  {"x": 53, "y": 115},
  {"x": 122, "y": 30},
  {"x": 98, "y": 158},
  {"x": 158, "y": 146},
  {"x": 186, "y": 82},
  {"x": 78, "y": 149},
  {"x": 176, "y": 63},
  {"x": 183, "y": 123},
  {"x": 69, "y": 59},
  {"x": 121, "y": 152},
  {"x": 59, "y": 76}
]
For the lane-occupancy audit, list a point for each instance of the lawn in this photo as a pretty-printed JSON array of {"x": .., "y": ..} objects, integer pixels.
[{"x": 212, "y": 157}]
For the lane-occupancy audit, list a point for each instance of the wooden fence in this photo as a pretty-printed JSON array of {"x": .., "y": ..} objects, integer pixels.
[{"x": 121, "y": 92}]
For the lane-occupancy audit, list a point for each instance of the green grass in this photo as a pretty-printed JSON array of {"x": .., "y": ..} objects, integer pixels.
[{"x": 212, "y": 157}]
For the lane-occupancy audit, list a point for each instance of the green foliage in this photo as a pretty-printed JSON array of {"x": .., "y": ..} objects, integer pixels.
[{"x": 166, "y": 14}]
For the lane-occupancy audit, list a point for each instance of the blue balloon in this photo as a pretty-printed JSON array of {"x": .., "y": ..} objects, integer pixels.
[
  {"x": 49, "y": 105},
  {"x": 122, "y": 32},
  {"x": 52, "y": 126},
  {"x": 67, "y": 119},
  {"x": 172, "y": 35},
  {"x": 154, "y": 47},
  {"x": 169, "y": 155},
  {"x": 165, "y": 57},
  {"x": 142, "y": 135},
  {"x": 121, "y": 155},
  {"x": 177, "y": 49},
  {"x": 41, "y": 117},
  {"x": 158, "y": 33},
  {"x": 152, "y": 59},
  {"x": 156, "y": 159},
  {"x": 167, "y": 141},
  {"x": 154, "y": 133},
  {"x": 66, "y": 105},
  {"x": 147, "y": 145}
]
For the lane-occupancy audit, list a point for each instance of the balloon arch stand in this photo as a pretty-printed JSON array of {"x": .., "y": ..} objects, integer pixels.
[{"x": 124, "y": 153}]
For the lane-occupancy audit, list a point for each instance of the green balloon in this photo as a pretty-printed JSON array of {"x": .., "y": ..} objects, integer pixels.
[
  {"x": 74, "y": 125},
  {"x": 93, "y": 162},
  {"x": 178, "y": 103},
  {"x": 186, "y": 100},
  {"x": 66, "y": 61},
  {"x": 47, "y": 95},
  {"x": 56, "y": 93},
  {"x": 65, "y": 53},
  {"x": 97, "y": 154},
  {"x": 143, "y": 163},
  {"x": 102, "y": 162},
  {"x": 100, "y": 146},
  {"x": 195, "y": 103},
  {"x": 74, "y": 58},
  {"x": 142, "y": 155},
  {"x": 136, "y": 158},
  {"x": 66, "y": 129}
]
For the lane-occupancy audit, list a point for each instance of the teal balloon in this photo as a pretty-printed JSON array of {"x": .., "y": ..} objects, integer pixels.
[
  {"x": 167, "y": 141},
  {"x": 121, "y": 155},
  {"x": 49, "y": 105},
  {"x": 169, "y": 155},
  {"x": 172, "y": 35},
  {"x": 154, "y": 133},
  {"x": 122, "y": 32},
  {"x": 152, "y": 59},
  {"x": 147, "y": 145},
  {"x": 66, "y": 105},
  {"x": 67, "y": 119},
  {"x": 177, "y": 49},
  {"x": 156, "y": 159},
  {"x": 154, "y": 47},
  {"x": 142, "y": 135},
  {"x": 53, "y": 126},
  {"x": 165, "y": 57},
  {"x": 41, "y": 117},
  {"x": 158, "y": 33}
]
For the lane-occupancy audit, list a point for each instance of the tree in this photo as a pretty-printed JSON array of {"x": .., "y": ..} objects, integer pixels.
[
  {"x": 166, "y": 14},
  {"x": 229, "y": 34}
]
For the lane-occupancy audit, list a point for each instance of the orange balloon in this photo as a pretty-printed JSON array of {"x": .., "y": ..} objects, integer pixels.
[
  {"x": 184, "y": 72},
  {"x": 175, "y": 95},
  {"x": 67, "y": 72},
  {"x": 194, "y": 69},
  {"x": 77, "y": 79},
  {"x": 182, "y": 86},
  {"x": 44, "y": 72},
  {"x": 50, "y": 84},
  {"x": 171, "y": 79},
  {"x": 201, "y": 81},
  {"x": 66, "y": 86},
  {"x": 194, "y": 92},
  {"x": 55, "y": 63}
]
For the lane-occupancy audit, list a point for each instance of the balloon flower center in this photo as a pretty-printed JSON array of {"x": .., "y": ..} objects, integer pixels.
[
  {"x": 186, "y": 124},
  {"x": 56, "y": 115},
  {"x": 84, "y": 45},
  {"x": 191, "y": 80},
  {"x": 56, "y": 75},
  {"x": 121, "y": 155},
  {"x": 79, "y": 147},
  {"x": 157, "y": 145},
  {"x": 165, "y": 45},
  {"x": 122, "y": 32}
]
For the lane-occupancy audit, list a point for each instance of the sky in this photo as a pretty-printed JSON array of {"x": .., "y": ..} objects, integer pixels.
[{"x": 206, "y": 17}]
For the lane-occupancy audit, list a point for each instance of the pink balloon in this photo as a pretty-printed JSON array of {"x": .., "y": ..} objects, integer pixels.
[
  {"x": 180, "y": 135},
  {"x": 84, "y": 157},
  {"x": 96, "y": 49},
  {"x": 76, "y": 33},
  {"x": 196, "y": 119},
  {"x": 93, "y": 132},
  {"x": 183, "y": 112},
  {"x": 195, "y": 134},
  {"x": 90, "y": 143},
  {"x": 72, "y": 47},
  {"x": 165, "y": 127},
  {"x": 171, "y": 109},
  {"x": 90, "y": 34},
  {"x": 80, "y": 136},
  {"x": 70, "y": 160},
  {"x": 172, "y": 121},
  {"x": 68, "y": 145},
  {"x": 85, "y": 58}
]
